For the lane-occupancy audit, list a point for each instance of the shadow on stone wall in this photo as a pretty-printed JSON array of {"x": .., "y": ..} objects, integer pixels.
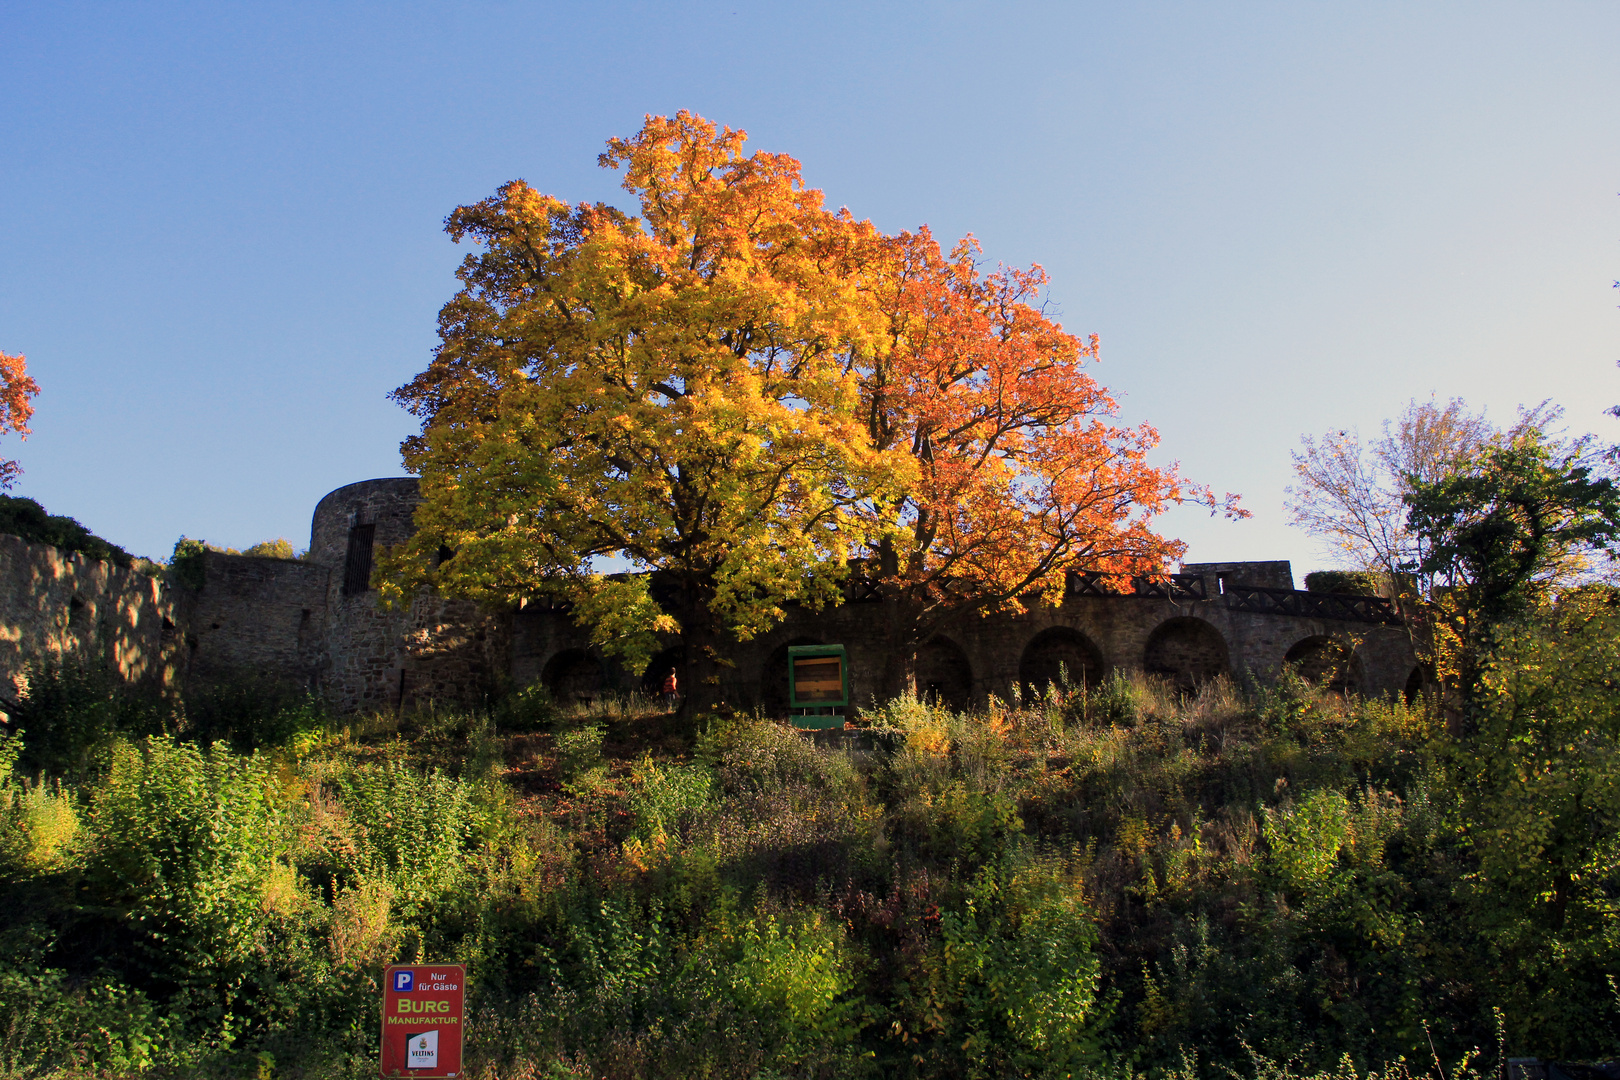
[{"x": 62, "y": 607}]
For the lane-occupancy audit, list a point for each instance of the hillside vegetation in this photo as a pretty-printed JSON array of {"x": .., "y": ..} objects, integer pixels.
[{"x": 1113, "y": 881}]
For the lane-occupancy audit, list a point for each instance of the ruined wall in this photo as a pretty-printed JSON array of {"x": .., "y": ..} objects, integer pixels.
[
  {"x": 1278, "y": 574},
  {"x": 256, "y": 616},
  {"x": 1183, "y": 640},
  {"x": 451, "y": 651},
  {"x": 432, "y": 650},
  {"x": 60, "y": 605}
]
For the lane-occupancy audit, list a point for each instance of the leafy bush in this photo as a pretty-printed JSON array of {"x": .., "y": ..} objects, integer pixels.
[
  {"x": 71, "y": 711},
  {"x": 1083, "y": 884},
  {"x": 530, "y": 708},
  {"x": 188, "y": 841},
  {"x": 98, "y": 1027},
  {"x": 1013, "y": 978},
  {"x": 27, "y": 519},
  {"x": 252, "y": 713},
  {"x": 417, "y": 831},
  {"x": 279, "y": 548},
  {"x": 792, "y": 975},
  {"x": 40, "y": 824},
  {"x": 188, "y": 568},
  {"x": 1347, "y": 582},
  {"x": 579, "y": 757}
]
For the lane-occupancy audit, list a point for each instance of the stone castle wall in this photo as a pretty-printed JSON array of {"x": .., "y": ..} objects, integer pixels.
[
  {"x": 254, "y": 615},
  {"x": 61, "y": 606},
  {"x": 315, "y": 622}
]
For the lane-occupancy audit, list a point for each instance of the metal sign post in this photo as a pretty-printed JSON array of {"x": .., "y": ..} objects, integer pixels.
[
  {"x": 422, "y": 1019},
  {"x": 818, "y": 685}
]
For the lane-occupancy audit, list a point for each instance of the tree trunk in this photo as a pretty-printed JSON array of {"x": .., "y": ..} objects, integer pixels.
[
  {"x": 899, "y": 670},
  {"x": 706, "y": 662}
]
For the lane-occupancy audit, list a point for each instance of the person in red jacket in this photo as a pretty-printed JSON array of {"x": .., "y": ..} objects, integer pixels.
[{"x": 671, "y": 689}]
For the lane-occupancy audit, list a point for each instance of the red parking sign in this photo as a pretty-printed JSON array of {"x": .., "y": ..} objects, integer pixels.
[{"x": 422, "y": 1020}]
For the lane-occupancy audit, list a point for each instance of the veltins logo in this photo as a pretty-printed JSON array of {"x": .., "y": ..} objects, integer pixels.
[
  {"x": 422, "y": 1050},
  {"x": 402, "y": 980}
]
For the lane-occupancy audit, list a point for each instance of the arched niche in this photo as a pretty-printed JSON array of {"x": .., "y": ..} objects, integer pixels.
[
  {"x": 1059, "y": 654},
  {"x": 652, "y": 677},
  {"x": 1415, "y": 683},
  {"x": 944, "y": 674},
  {"x": 1326, "y": 661},
  {"x": 1186, "y": 652},
  {"x": 573, "y": 675},
  {"x": 773, "y": 681}
]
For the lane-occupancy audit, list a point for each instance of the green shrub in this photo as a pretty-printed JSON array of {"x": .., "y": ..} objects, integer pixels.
[
  {"x": 1057, "y": 889},
  {"x": 579, "y": 756},
  {"x": 27, "y": 519},
  {"x": 530, "y": 708},
  {"x": 417, "y": 830},
  {"x": 252, "y": 712},
  {"x": 1012, "y": 979},
  {"x": 666, "y": 797},
  {"x": 793, "y": 975},
  {"x": 279, "y": 548},
  {"x": 1346, "y": 582},
  {"x": 72, "y": 710},
  {"x": 186, "y": 564},
  {"x": 40, "y": 826},
  {"x": 187, "y": 841},
  {"x": 1111, "y": 702},
  {"x": 54, "y": 1025}
]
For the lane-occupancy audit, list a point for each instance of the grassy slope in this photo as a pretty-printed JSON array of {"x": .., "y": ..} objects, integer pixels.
[{"x": 1088, "y": 883}]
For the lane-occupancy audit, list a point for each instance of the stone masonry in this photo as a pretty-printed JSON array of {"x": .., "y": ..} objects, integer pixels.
[
  {"x": 315, "y": 622},
  {"x": 59, "y": 606}
]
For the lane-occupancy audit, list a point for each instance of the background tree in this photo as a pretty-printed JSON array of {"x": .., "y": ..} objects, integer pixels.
[
  {"x": 1019, "y": 477},
  {"x": 1352, "y": 496},
  {"x": 674, "y": 390},
  {"x": 1349, "y": 494},
  {"x": 1496, "y": 544},
  {"x": 17, "y": 390}
]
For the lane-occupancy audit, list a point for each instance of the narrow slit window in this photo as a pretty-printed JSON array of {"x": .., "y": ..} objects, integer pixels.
[{"x": 357, "y": 565}]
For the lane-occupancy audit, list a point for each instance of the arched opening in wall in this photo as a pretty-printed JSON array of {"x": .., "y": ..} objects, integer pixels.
[
  {"x": 1414, "y": 685},
  {"x": 773, "y": 681},
  {"x": 573, "y": 675},
  {"x": 944, "y": 674},
  {"x": 1186, "y": 652},
  {"x": 1056, "y": 655},
  {"x": 652, "y": 679},
  {"x": 1326, "y": 661}
]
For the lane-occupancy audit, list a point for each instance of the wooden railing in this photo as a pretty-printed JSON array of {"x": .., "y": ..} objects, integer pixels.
[
  {"x": 1310, "y": 605},
  {"x": 1172, "y": 587}
]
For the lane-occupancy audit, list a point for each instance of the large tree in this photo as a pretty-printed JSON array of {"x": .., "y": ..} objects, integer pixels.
[
  {"x": 673, "y": 389},
  {"x": 1472, "y": 527},
  {"x": 739, "y": 391},
  {"x": 1020, "y": 475}
]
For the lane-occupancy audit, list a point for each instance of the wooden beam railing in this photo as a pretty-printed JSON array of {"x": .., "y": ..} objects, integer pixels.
[
  {"x": 1172, "y": 587},
  {"x": 1310, "y": 605}
]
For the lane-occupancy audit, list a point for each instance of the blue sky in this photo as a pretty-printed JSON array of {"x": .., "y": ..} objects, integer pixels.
[{"x": 221, "y": 245}]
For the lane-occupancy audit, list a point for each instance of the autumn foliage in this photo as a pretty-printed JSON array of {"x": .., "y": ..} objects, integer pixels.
[
  {"x": 17, "y": 390},
  {"x": 745, "y": 393},
  {"x": 1019, "y": 475},
  {"x": 673, "y": 389}
]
